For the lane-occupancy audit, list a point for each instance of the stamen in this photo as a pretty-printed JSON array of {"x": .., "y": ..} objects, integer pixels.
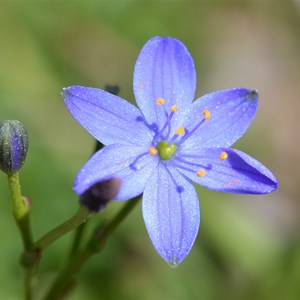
[
  {"x": 160, "y": 101},
  {"x": 152, "y": 151},
  {"x": 167, "y": 125},
  {"x": 207, "y": 114},
  {"x": 223, "y": 155},
  {"x": 152, "y": 127},
  {"x": 190, "y": 133},
  {"x": 174, "y": 108},
  {"x": 201, "y": 173},
  {"x": 180, "y": 130},
  {"x": 179, "y": 188},
  {"x": 132, "y": 166},
  {"x": 177, "y": 164},
  {"x": 181, "y": 160}
]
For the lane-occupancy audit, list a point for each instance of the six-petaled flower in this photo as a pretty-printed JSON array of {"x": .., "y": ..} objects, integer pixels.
[{"x": 168, "y": 143}]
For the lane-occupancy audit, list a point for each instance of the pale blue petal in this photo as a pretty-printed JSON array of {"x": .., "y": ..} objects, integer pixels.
[
  {"x": 231, "y": 112},
  {"x": 239, "y": 173},
  {"x": 107, "y": 117},
  {"x": 131, "y": 165},
  {"x": 164, "y": 69},
  {"x": 171, "y": 213}
]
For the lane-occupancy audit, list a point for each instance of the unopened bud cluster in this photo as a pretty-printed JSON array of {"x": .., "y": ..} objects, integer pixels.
[{"x": 13, "y": 146}]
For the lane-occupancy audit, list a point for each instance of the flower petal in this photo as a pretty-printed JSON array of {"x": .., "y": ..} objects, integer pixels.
[
  {"x": 231, "y": 112},
  {"x": 164, "y": 69},
  {"x": 107, "y": 117},
  {"x": 171, "y": 213},
  {"x": 131, "y": 165},
  {"x": 226, "y": 170}
]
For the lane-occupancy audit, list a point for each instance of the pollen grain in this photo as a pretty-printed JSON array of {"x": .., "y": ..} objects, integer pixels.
[
  {"x": 206, "y": 113},
  {"x": 174, "y": 108},
  {"x": 180, "y": 130},
  {"x": 160, "y": 101},
  {"x": 201, "y": 173},
  {"x": 223, "y": 155},
  {"x": 152, "y": 151}
]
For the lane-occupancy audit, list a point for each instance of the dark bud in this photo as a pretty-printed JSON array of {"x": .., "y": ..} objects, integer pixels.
[
  {"x": 13, "y": 146},
  {"x": 98, "y": 195},
  {"x": 113, "y": 89}
]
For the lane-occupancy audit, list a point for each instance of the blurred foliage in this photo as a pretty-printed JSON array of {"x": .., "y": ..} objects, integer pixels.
[{"x": 248, "y": 247}]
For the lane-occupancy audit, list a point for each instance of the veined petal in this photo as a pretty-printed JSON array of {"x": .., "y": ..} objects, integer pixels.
[
  {"x": 109, "y": 118},
  {"x": 226, "y": 170},
  {"x": 164, "y": 69},
  {"x": 171, "y": 213},
  {"x": 130, "y": 164},
  {"x": 231, "y": 112}
]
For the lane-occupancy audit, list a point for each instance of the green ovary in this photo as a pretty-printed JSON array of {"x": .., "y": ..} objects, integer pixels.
[{"x": 166, "y": 150}]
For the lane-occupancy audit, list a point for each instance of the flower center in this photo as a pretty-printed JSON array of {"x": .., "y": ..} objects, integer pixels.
[
  {"x": 166, "y": 150},
  {"x": 167, "y": 140}
]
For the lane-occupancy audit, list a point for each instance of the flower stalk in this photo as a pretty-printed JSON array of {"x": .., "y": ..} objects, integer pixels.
[
  {"x": 65, "y": 279},
  {"x": 21, "y": 209},
  {"x": 21, "y": 213},
  {"x": 80, "y": 217}
]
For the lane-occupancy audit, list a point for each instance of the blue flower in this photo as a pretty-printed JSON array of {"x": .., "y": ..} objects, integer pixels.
[{"x": 168, "y": 143}]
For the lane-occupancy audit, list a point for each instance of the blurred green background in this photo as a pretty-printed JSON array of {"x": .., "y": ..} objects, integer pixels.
[{"x": 248, "y": 247}]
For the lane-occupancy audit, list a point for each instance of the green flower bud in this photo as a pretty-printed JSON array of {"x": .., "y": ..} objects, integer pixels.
[{"x": 13, "y": 146}]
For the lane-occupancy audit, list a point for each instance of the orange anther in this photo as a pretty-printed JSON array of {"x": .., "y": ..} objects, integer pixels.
[
  {"x": 180, "y": 130},
  {"x": 152, "y": 151},
  {"x": 223, "y": 155},
  {"x": 160, "y": 101},
  {"x": 201, "y": 173},
  {"x": 174, "y": 108},
  {"x": 207, "y": 114}
]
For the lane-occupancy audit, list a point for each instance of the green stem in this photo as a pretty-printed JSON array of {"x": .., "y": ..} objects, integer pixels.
[
  {"x": 111, "y": 226},
  {"x": 63, "y": 282},
  {"x": 80, "y": 217},
  {"x": 31, "y": 256},
  {"x": 29, "y": 275},
  {"x": 21, "y": 209},
  {"x": 21, "y": 213},
  {"x": 77, "y": 238}
]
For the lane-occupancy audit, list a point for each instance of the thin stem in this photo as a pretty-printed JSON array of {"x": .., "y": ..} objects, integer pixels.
[
  {"x": 29, "y": 275},
  {"x": 63, "y": 282},
  {"x": 111, "y": 226},
  {"x": 80, "y": 217},
  {"x": 21, "y": 213},
  {"x": 78, "y": 237},
  {"x": 21, "y": 209}
]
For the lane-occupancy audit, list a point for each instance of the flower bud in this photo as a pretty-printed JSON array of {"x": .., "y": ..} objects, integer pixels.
[
  {"x": 113, "y": 89},
  {"x": 13, "y": 146},
  {"x": 98, "y": 195}
]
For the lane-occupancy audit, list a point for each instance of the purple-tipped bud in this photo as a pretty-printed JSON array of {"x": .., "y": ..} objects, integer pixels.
[
  {"x": 98, "y": 195},
  {"x": 13, "y": 146}
]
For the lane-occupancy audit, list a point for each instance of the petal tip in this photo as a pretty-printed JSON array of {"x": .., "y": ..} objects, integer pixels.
[
  {"x": 65, "y": 92},
  {"x": 173, "y": 265},
  {"x": 174, "y": 262},
  {"x": 274, "y": 186},
  {"x": 252, "y": 95}
]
